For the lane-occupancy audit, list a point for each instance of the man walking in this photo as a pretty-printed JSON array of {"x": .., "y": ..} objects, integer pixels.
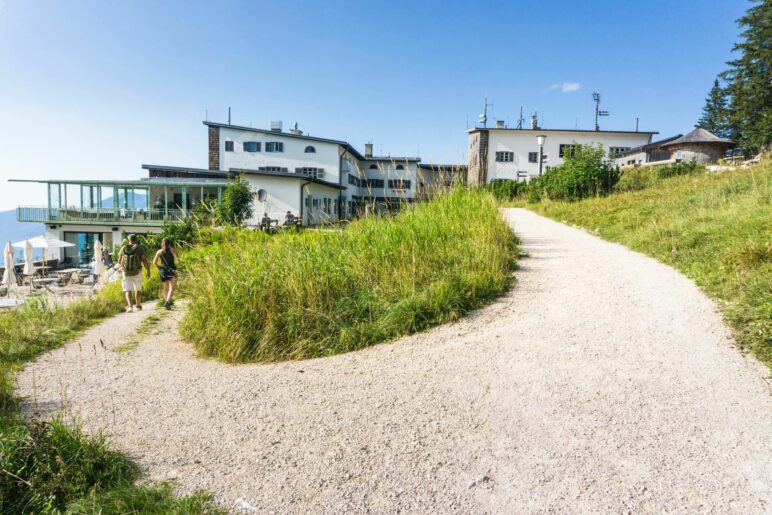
[{"x": 132, "y": 258}]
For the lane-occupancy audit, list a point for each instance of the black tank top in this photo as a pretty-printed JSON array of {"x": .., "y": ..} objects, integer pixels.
[{"x": 167, "y": 260}]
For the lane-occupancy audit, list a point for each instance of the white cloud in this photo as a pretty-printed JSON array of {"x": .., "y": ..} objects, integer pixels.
[{"x": 566, "y": 87}]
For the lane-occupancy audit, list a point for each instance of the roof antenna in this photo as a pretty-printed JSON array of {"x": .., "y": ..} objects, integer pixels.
[
  {"x": 598, "y": 112},
  {"x": 483, "y": 118},
  {"x": 636, "y": 124},
  {"x": 520, "y": 120},
  {"x": 229, "y": 116},
  {"x": 206, "y": 114}
]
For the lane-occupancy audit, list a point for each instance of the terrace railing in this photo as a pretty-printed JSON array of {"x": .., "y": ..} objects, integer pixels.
[{"x": 98, "y": 216}]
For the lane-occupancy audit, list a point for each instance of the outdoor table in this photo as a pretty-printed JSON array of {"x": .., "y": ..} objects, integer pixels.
[{"x": 10, "y": 303}]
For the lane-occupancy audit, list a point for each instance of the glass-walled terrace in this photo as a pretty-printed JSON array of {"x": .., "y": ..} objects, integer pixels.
[{"x": 144, "y": 202}]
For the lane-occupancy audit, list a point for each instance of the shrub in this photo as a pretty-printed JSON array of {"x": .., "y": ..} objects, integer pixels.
[
  {"x": 236, "y": 205},
  {"x": 256, "y": 297},
  {"x": 506, "y": 189},
  {"x": 675, "y": 169},
  {"x": 587, "y": 173}
]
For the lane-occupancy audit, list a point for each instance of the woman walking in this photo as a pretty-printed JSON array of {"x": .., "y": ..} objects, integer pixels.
[{"x": 166, "y": 261}]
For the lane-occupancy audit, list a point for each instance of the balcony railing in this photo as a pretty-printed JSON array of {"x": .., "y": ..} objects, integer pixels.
[{"x": 98, "y": 216}]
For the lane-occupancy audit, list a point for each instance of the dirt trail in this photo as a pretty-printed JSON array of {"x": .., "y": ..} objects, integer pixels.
[{"x": 604, "y": 381}]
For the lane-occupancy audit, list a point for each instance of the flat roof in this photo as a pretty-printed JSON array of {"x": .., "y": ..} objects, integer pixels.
[
  {"x": 235, "y": 171},
  {"x": 589, "y": 131},
  {"x": 430, "y": 166},
  {"x": 162, "y": 181},
  {"x": 653, "y": 144}
]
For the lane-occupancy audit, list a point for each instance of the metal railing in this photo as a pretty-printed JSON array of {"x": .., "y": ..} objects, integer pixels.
[{"x": 153, "y": 217}]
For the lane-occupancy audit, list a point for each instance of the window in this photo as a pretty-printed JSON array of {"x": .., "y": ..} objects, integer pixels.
[
  {"x": 274, "y": 146},
  {"x": 251, "y": 146},
  {"x": 399, "y": 184},
  {"x": 505, "y": 157},
  {"x": 272, "y": 169},
  {"x": 310, "y": 150},
  {"x": 229, "y": 146},
  {"x": 373, "y": 183},
  {"x": 566, "y": 149},
  {"x": 400, "y": 167},
  {"x": 533, "y": 157},
  {"x": 310, "y": 171},
  {"x": 615, "y": 151},
  {"x": 373, "y": 167}
]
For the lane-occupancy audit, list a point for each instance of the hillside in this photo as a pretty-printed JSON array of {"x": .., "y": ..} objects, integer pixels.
[{"x": 716, "y": 228}]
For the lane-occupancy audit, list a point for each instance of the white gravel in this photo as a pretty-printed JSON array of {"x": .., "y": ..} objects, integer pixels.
[{"x": 603, "y": 382}]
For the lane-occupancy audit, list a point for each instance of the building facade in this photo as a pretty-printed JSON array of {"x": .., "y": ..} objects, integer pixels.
[
  {"x": 698, "y": 145},
  {"x": 513, "y": 154},
  {"x": 318, "y": 180}
]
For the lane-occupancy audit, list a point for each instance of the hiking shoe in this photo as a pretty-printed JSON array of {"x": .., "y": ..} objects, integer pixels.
[
  {"x": 129, "y": 309},
  {"x": 168, "y": 305},
  {"x": 139, "y": 307}
]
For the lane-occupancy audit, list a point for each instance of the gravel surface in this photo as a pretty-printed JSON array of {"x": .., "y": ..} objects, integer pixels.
[{"x": 604, "y": 381}]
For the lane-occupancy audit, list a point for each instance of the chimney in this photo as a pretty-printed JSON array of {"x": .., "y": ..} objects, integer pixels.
[
  {"x": 276, "y": 126},
  {"x": 368, "y": 150},
  {"x": 535, "y": 121},
  {"x": 295, "y": 130},
  {"x": 499, "y": 124}
]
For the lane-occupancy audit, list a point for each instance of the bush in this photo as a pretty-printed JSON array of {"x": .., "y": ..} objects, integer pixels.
[
  {"x": 506, "y": 189},
  {"x": 675, "y": 169},
  {"x": 256, "y": 297},
  {"x": 587, "y": 173},
  {"x": 236, "y": 205}
]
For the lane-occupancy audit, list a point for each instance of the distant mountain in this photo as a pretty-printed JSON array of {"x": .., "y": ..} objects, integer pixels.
[{"x": 13, "y": 231}]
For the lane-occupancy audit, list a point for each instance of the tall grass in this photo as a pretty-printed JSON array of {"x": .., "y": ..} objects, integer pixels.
[
  {"x": 266, "y": 298},
  {"x": 52, "y": 467},
  {"x": 716, "y": 228}
]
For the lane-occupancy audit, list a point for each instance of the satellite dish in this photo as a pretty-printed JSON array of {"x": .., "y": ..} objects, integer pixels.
[{"x": 262, "y": 195}]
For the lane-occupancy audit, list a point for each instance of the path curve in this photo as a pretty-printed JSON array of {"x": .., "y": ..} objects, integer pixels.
[{"x": 604, "y": 381}]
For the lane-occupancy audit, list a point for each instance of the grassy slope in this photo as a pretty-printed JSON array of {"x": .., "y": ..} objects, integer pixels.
[
  {"x": 53, "y": 467},
  {"x": 715, "y": 228},
  {"x": 317, "y": 293}
]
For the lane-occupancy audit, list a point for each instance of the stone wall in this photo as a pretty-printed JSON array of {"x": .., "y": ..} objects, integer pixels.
[
  {"x": 477, "y": 165},
  {"x": 214, "y": 148}
]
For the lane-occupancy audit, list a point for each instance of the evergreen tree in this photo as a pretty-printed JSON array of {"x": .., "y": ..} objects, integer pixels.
[
  {"x": 749, "y": 78},
  {"x": 715, "y": 116}
]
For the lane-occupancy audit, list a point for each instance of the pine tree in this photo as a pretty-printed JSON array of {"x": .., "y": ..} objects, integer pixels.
[
  {"x": 715, "y": 116},
  {"x": 749, "y": 78}
]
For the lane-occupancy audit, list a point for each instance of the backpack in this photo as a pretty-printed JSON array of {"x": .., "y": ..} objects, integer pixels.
[{"x": 130, "y": 260}]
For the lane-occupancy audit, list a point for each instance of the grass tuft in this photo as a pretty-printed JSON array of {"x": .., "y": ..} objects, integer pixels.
[{"x": 317, "y": 293}]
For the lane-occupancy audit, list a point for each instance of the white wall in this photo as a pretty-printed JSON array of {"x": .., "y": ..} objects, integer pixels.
[
  {"x": 283, "y": 194},
  {"x": 386, "y": 170},
  {"x": 521, "y": 142},
  {"x": 294, "y": 155}
]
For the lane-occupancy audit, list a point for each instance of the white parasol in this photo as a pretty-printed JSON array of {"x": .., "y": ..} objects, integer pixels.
[
  {"x": 44, "y": 242},
  {"x": 99, "y": 266},
  {"x": 9, "y": 278},
  {"x": 29, "y": 266}
]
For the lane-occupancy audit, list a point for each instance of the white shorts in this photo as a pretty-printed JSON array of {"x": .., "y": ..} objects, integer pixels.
[{"x": 132, "y": 282}]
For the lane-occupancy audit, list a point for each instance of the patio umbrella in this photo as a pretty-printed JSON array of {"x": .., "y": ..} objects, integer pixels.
[
  {"x": 29, "y": 266},
  {"x": 9, "y": 278},
  {"x": 44, "y": 242},
  {"x": 99, "y": 266}
]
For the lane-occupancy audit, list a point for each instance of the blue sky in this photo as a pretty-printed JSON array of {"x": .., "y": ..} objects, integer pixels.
[{"x": 95, "y": 89}]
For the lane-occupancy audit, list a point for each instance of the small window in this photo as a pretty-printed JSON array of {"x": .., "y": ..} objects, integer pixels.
[
  {"x": 373, "y": 167},
  {"x": 373, "y": 183},
  {"x": 274, "y": 146},
  {"x": 615, "y": 151},
  {"x": 400, "y": 167},
  {"x": 399, "y": 184},
  {"x": 310, "y": 150},
  {"x": 533, "y": 157},
  {"x": 505, "y": 157},
  {"x": 564, "y": 150},
  {"x": 229, "y": 146},
  {"x": 251, "y": 146}
]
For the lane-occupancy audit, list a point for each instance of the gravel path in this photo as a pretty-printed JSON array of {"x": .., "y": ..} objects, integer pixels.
[{"x": 604, "y": 381}]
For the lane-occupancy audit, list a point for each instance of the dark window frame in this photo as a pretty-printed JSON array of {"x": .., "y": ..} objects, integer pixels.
[
  {"x": 533, "y": 157},
  {"x": 274, "y": 146},
  {"x": 229, "y": 146},
  {"x": 254, "y": 145},
  {"x": 310, "y": 149},
  {"x": 505, "y": 156}
]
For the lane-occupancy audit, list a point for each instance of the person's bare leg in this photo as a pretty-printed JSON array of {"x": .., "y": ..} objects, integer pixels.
[
  {"x": 138, "y": 296},
  {"x": 128, "y": 299},
  {"x": 170, "y": 292}
]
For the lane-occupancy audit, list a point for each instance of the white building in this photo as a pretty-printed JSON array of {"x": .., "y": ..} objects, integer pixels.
[
  {"x": 502, "y": 153},
  {"x": 319, "y": 179}
]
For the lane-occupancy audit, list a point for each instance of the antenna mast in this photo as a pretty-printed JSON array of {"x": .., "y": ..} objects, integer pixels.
[
  {"x": 520, "y": 120},
  {"x": 483, "y": 119},
  {"x": 598, "y": 112}
]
